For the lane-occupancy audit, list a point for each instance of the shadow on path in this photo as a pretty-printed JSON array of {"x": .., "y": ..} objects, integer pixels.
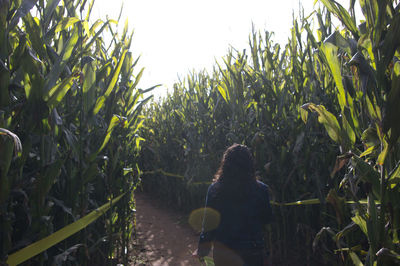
[{"x": 163, "y": 236}]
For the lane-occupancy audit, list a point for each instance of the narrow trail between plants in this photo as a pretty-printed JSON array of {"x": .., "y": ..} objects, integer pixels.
[{"x": 163, "y": 236}]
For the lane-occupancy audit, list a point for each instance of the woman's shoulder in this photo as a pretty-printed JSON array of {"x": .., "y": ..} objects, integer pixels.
[
  {"x": 213, "y": 187},
  {"x": 262, "y": 185}
]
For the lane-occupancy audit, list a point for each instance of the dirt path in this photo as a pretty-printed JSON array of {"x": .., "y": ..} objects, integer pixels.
[{"x": 163, "y": 236}]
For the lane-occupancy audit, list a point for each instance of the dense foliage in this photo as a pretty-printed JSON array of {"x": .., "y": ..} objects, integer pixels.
[
  {"x": 348, "y": 77},
  {"x": 69, "y": 116}
]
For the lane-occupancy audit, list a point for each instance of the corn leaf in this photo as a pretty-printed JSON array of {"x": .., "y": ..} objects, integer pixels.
[
  {"x": 393, "y": 255},
  {"x": 24, "y": 8},
  {"x": 331, "y": 55},
  {"x": 99, "y": 104},
  {"x": 89, "y": 74},
  {"x": 48, "y": 11},
  {"x": 35, "y": 35},
  {"x": 342, "y": 15},
  {"x": 304, "y": 115},
  {"x": 367, "y": 173},
  {"x": 360, "y": 221},
  {"x": 114, "y": 121},
  {"x": 115, "y": 75},
  {"x": 66, "y": 23},
  {"x": 59, "y": 66},
  {"x": 47, "y": 242},
  {"x": 356, "y": 260},
  {"x": 57, "y": 93},
  {"x": 383, "y": 154},
  {"x": 327, "y": 119},
  {"x": 372, "y": 223},
  {"x": 367, "y": 151},
  {"x": 394, "y": 176},
  {"x": 224, "y": 93}
]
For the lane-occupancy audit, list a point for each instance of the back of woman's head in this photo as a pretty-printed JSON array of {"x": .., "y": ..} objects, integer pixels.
[{"x": 237, "y": 165}]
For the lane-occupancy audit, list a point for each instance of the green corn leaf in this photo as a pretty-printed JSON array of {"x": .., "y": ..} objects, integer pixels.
[
  {"x": 342, "y": 15},
  {"x": 85, "y": 26},
  {"x": 372, "y": 223},
  {"x": 389, "y": 46},
  {"x": 34, "y": 31},
  {"x": 47, "y": 242},
  {"x": 98, "y": 33},
  {"x": 90, "y": 172},
  {"x": 137, "y": 108},
  {"x": 115, "y": 75},
  {"x": 297, "y": 203},
  {"x": 99, "y": 104},
  {"x": 327, "y": 119},
  {"x": 367, "y": 151},
  {"x": 391, "y": 115},
  {"x": 350, "y": 46},
  {"x": 303, "y": 115},
  {"x": 356, "y": 260},
  {"x": 352, "y": 129},
  {"x": 57, "y": 93},
  {"x": 349, "y": 228},
  {"x": 383, "y": 154},
  {"x": 127, "y": 68},
  {"x": 132, "y": 103},
  {"x": 304, "y": 202},
  {"x": 370, "y": 138},
  {"x": 65, "y": 23},
  {"x": 224, "y": 93},
  {"x": 348, "y": 130},
  {"x": 369, "y": 14},
  {"x": 143, "y": 91},
  {"x": 114, "y": 121},
  {"x": 394, "y": 175},
  {"x": 393, "y": 255},
  {"x": 90, "y": 10},
  {"x": 33, "y": 80},
  {"x": 138, "y": 140},
  {"x": 25, "y": 7},
  {"x": 49, "y": 10},
  {"x": 6, "y": 155},
  {"x": 129, "y": 93},
  {"x": 88, "y": 87},
  {"x": 15, "y": 139},
  {"x": 95, "y": 25},
  {"x": 47, "y": 180},
  {"x": 360, "y": 221},
  {"x": 59, "y": 66},
  {"x": 330, "y": 52},
  {"x": 367, "y": 173}
]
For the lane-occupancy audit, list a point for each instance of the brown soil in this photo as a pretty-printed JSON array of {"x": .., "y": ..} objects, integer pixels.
[{"x": 163, "y": 237}]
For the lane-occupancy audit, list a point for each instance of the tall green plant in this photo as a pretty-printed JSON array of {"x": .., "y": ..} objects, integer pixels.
[
  {"x": 363, "y": 62},
  {"x": 75, "y": 106}
]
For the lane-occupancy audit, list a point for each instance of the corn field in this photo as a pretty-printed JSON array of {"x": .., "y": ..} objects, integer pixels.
[
  {"x": 320, "y": 116},
  {"x": 78, "y": 136},
  {"x": 69, "y": 116}
]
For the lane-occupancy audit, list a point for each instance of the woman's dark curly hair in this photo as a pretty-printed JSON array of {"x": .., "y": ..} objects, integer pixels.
[{"x": 236, "y": 167}]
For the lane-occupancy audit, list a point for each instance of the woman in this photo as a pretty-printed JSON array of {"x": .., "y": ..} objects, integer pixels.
[{"x": 237, "y": 209}]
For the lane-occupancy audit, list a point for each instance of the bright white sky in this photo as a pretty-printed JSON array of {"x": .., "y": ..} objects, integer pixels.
[{"x": 175, "y": 37}]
